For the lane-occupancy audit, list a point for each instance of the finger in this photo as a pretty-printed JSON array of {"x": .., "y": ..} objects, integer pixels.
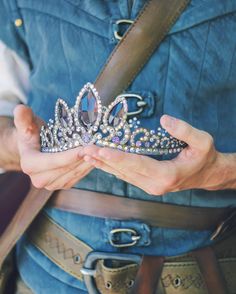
[
  {"x": 26, "y": 126},
  {"x": 145, "y": 183},
  {"x": 72, "y": 176},
  {"x": 109, "y": 169},
  {"x": 32, "y": 160},
  {"x": 45, "y": 178},
  {"x": 23, "y": 117},
  {"x": 184, "y": 131},
  {"x": 74, "y": 181},
  {"x": 124, "y": 162},
  {"x": 35, "y": 161}
]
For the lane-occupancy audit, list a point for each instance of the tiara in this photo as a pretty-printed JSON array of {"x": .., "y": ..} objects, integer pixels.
[{"x": 88, "y": 122}]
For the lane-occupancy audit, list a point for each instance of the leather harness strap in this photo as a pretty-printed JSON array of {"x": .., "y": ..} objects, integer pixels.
[
  {"x": 211, "y": 271},
  {"x": 136, "y": 47},
  {"x": 154, "y": 213},
  {"x": 148, "y": 275},
  {"x": 24, "y": 216}
]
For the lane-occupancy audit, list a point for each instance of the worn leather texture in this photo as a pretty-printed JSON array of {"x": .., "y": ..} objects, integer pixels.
[
  {"x": 193, "y": 273},
  {"x": 156, "y": 214}
]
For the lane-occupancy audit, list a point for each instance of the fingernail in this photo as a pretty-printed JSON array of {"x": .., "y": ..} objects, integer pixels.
[{"x": 169, "y": 121}]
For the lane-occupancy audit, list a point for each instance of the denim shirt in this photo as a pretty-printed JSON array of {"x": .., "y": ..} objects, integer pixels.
[{"x": 191, "y": 76}]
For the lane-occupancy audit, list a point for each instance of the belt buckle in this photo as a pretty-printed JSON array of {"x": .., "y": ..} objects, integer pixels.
[
  {"x": 134, "y": 237},
  {"x": 88, "y": 270},
  {"x": 140, "y": 103}
]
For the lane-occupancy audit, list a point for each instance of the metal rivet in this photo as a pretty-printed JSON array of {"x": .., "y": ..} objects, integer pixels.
[{"x": 18, "y": 22}]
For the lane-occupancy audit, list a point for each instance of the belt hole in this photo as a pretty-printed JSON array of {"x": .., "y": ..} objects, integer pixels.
[
  {"x": 177, "y": 282},
  {"x": 77, "y": 259},
  {"x": 108, "y": 285},
  {"x": 130, "y": 283}
]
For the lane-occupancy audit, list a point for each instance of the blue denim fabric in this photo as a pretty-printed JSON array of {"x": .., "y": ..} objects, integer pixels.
[{"x": 192, "y": 76}]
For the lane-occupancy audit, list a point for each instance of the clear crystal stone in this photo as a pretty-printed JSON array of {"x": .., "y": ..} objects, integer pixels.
[
  {"x": 63, "y": 115},
  {"x": 88, "y": 110},
  {"x": 116, "y": 114}
]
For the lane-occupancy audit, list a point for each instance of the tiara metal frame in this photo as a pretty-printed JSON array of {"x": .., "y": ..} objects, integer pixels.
[{"x": 88, "y": 122}]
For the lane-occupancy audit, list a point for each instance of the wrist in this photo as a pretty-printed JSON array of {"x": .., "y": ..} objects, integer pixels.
[{"x": 223, "y": 172}]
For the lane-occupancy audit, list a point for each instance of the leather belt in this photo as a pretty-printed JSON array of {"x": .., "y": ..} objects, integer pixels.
[
  {"x": 153, "y": 213},
  {"x": 179, "y": 273}
]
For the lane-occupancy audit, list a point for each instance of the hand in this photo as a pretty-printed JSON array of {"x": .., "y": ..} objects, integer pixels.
[
  {"x": 197, "y": 166},
  {"x": 51, "y": 171}
]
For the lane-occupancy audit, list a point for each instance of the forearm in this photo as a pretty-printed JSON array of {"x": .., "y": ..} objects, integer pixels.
[{"x": 9, "y": 158}]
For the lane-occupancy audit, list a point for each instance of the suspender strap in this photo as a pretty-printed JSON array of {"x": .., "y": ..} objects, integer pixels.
[{"x": 137, "y": 46}]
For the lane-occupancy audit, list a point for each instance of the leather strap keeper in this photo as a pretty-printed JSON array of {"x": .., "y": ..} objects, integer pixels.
[
  {"x": 180, "y": 273},
  {"x": 153, "y": 213}
]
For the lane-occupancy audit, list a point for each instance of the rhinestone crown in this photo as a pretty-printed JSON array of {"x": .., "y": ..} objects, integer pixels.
[{"x": 88, "y": 122}]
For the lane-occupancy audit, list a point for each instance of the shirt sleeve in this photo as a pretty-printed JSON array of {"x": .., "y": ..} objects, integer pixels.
[{"x": 14, "y": 80}]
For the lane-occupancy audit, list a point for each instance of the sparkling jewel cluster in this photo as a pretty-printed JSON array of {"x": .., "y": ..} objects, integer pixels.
[{"x": 88, "y": 122}]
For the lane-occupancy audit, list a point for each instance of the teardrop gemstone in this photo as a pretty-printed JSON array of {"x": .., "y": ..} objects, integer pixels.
[
  {"x": 63, "y": 115},
  {"x": 116, "y": 114},
  {"x": 88, "y": 110}
]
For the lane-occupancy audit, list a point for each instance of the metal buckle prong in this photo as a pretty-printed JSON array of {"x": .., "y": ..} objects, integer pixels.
[
  {"x": 141, "y": 103},
  {"x": 88, "y": 272}
]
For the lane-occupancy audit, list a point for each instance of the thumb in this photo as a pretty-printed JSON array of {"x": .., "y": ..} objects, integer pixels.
[
  {"x": 26, "y": 125},
  {"x": 183, "y": 131}
]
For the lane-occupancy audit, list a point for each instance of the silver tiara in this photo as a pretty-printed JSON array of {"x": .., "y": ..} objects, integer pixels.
[{"x": 88, "y": 122}]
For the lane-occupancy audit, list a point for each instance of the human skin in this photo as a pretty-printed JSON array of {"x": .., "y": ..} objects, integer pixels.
[
  {"x": 50, "y": 171},
  {"x": 199, "y": 165}
]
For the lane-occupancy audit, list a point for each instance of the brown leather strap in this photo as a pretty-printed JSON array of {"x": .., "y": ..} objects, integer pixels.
[
  {"x": 153, "y": 213},
  {"x": 148, "y": 275},
  {"x": 137, "y": 46},
  {"x": 14, "y": 187},
  {"x": 59, "y": 245},
  {"x": 211, "y": 271},
  {"x": 24, "y": 216}
]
